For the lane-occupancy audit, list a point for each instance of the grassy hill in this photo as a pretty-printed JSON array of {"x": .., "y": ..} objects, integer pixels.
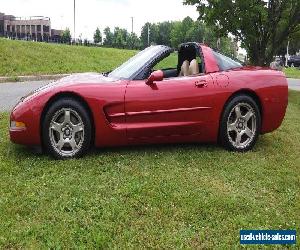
[{"x": 32, "y": 58}]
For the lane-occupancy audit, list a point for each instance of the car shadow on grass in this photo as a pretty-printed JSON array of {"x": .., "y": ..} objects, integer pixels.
[
  {"x": 156, "y": 148},
  {"x": 264, "y": 146},
  {"x": 19, "y": 152},
  {"x": 25, "y": 152}
]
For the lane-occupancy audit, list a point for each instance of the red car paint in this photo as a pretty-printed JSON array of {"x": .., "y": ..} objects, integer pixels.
[{"x": 180, "y": 109}]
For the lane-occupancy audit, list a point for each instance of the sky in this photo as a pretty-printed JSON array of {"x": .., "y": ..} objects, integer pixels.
[{"x": 91, "y": 14}]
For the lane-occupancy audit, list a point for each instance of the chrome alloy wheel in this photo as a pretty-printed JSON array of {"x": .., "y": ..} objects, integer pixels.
[
  {"x": 241, "y": 125},
  {"x": 66, "y": 132}
]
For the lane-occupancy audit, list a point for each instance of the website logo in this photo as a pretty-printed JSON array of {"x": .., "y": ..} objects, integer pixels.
[{"x": 268, "y": 237}]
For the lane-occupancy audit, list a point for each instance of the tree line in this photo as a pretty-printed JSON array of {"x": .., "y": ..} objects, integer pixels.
[
  {"x": 263, "y": 28},
  {"x": 166, "y": 33}
]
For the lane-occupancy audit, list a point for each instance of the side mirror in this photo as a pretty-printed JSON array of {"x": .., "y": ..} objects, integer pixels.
[{"x": 155, "y": 76}]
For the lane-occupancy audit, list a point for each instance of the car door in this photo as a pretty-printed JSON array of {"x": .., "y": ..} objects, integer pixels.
[{"x": 173, "y": 107}]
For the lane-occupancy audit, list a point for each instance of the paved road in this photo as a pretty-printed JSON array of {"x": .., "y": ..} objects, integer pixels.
[
  {"x": 10, "y": 93},
  {"x": 294, "y": 84}
]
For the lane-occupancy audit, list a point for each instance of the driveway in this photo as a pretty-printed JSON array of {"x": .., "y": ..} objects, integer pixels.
[{"x": 10, "y": 93}]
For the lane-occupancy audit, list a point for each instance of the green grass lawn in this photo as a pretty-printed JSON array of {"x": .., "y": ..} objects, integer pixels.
[
  {"x": 292, "y": 72},
  {"x": 32, "y": 58},
  {"x": 174, "y": 196}
]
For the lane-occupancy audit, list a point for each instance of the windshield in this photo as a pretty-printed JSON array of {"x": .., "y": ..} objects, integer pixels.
[{"x": 134, "y": 64}]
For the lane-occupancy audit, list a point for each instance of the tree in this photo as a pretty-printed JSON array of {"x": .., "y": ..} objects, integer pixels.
[
  {"x": 120, "y": 38},
  {"x": 109, "y": 36},
  {"x": 196, "y": 32},
  {"x": 97, "y": 36},
  {"x": 177, "y": 34},
  {"x": 86, "y": 42},
  {"x": 144, "y": 34},
  {"x": 164, "y": 33},
  {"x": 153, "y": 34},
  {"x": 167, "y": 33},
  {"x": 66, "y": 36},
  {"x": 187, "y": 31},
  {"x": 294, "y": 45},
  {"x": 133, "y": 42},
  {"x": 187, "y": 23},
  {"x": 174, "y": 33},
  {"x": 262, "y": 26}
]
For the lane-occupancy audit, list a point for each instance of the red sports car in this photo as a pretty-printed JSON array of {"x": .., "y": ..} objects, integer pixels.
[{"x": 206, "y": 97}]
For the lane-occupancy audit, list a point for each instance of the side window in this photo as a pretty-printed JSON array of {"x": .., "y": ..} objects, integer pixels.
[
  {"x": 169, "y": 62},
  {"x": 225, "y": 62},
  {"x": 199, "y": 61},
  {"x": 191, "y": 67},
  {"x": 198, "y": 58}
]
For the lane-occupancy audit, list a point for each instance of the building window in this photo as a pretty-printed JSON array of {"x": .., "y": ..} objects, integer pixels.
[{"x": 46, "y": 28}]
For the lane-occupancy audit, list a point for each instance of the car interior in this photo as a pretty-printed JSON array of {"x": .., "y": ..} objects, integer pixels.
[{"x": 189, "y": 62}]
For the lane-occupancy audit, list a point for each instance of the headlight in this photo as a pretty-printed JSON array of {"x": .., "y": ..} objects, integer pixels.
[{"x": 17, "y": 125}]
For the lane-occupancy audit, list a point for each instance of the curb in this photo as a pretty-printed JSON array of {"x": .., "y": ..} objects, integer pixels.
[{"x": 4, "y": 79}]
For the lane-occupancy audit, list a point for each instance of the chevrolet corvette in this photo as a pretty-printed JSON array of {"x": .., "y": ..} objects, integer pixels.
[{"x": 204, "y": 97}]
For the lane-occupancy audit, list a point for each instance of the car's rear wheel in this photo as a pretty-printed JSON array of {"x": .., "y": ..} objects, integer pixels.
[
  {"x": 66, "y": 129},
  {"x": 240, "y": 124}
]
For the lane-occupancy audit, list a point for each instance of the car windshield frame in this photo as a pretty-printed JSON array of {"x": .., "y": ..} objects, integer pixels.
[{"x": 132, "y": 67}]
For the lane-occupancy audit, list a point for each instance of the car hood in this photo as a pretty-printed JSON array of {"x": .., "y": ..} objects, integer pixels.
[
  {"x": 74, "y": 79},
  {"x": 85, "y": 78},
  {"x": 81, "y": 78}
]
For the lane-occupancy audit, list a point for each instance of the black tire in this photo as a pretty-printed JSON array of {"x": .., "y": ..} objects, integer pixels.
[
  {"x": 233, "y": 127},
  {"x": 78, "y": 119}
]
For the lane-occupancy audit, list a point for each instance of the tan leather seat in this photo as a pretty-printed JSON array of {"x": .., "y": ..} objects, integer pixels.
[
  {"x": 184, "y": 68},
  {"x": 194, "y": 68}
]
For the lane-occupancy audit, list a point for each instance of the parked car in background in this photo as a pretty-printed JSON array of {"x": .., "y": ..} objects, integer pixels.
[
  {"x": 294, "y": 61},
  {"x": 203, "y": 97}
]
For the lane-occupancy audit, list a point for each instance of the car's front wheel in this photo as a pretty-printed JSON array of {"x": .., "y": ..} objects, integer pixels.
[
  {"x": 66, "y": 129},
  {"x": 240, "y": 124}
]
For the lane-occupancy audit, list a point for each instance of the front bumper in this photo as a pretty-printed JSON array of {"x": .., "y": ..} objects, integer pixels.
[{"x": 30, "y": 133}]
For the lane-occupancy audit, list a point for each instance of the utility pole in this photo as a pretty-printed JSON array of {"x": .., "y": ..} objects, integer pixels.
[
  {"x": 148, "y": 34},
  {"x": 287, "y": 53},
  {"x": 61, "y": 22},
  {"x": 218, "y": 43},
  {"x": 74, "y": 21},
  {"x": 132, "y": 25}
]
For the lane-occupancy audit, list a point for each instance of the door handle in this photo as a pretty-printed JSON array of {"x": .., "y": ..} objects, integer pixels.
[{"x": 201, "y": 84}]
